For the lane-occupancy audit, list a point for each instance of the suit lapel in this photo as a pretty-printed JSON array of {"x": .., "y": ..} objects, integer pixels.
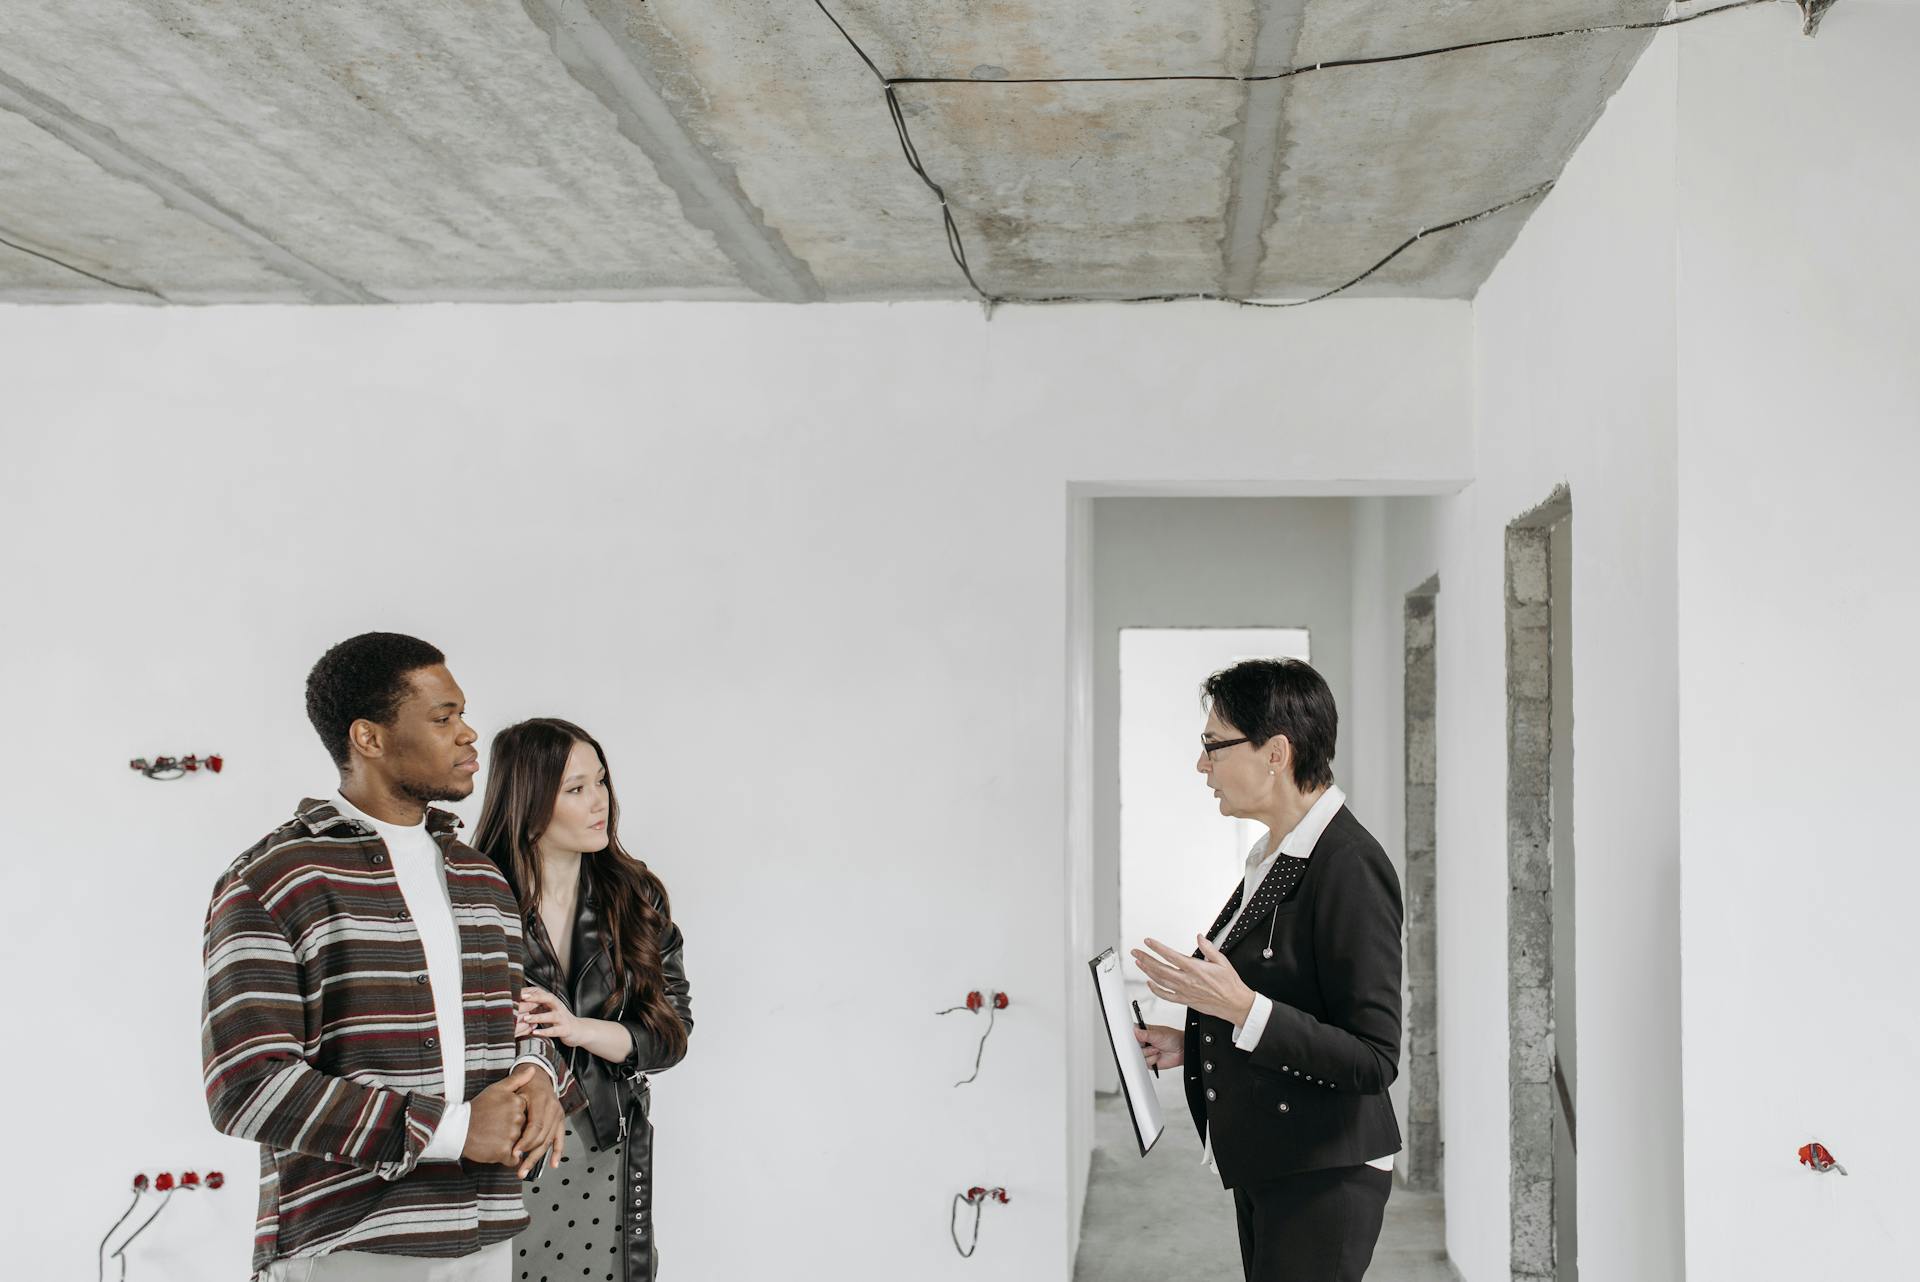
[
  {"x": 1275, "y": 887},
  {"x": 1233, "y": 902}
]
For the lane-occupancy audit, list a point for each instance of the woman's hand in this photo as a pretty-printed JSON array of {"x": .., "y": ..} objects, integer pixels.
[
  {"x": 1208, "y": 983},
  {"x": 1164, "y": 1047},
  {"x": 539, "y": 1013}
]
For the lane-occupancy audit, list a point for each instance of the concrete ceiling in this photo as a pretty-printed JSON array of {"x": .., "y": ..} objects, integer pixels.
[{"x": 359, "y": 150}]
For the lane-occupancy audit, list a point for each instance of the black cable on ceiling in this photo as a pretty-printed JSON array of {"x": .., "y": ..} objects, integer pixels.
[
  {"x": 61, "y": 262},
  {"x": 956, "y": 245}
]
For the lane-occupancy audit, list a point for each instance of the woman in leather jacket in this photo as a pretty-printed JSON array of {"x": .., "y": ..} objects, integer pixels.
[{"x": 605, "y": 978}]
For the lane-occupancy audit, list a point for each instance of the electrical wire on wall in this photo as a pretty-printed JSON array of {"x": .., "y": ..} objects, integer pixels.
[
  {"x": 977, "y": 1198},
  {"x": 974, "y": 1004},
  {"x": 164, "y": 768},
  {"x": 166, "y": 1187},
  {"x": 1812, "y": 11}
]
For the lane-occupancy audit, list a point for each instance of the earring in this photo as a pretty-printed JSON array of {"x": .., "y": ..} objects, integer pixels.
[{"x": 1269, "y": 772}]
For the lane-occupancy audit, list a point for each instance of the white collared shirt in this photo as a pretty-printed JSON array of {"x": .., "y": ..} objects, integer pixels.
[{"x": 1297, "y": 844}]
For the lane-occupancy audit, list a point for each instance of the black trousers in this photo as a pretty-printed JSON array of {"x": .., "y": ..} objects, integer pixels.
[{"x": 1317, "y": 1226}]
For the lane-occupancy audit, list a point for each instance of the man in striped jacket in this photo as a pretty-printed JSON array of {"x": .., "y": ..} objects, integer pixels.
[{"x": 361, "y": 970}]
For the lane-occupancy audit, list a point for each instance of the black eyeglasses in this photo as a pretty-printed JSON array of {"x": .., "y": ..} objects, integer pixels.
[{"x": 1211, "y": 746}]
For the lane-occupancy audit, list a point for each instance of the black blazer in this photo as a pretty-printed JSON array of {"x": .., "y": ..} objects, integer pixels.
[{"x": 1313, "y": 1093}]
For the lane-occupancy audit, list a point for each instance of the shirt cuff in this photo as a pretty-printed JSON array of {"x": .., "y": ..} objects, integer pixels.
[
  {"x": 1247, "y": 1036},
  {"x": 541, "y": 1060},
  {"x": 450, "y": 1138}
]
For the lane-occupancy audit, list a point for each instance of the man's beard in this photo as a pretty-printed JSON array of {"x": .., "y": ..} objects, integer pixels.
[{"x": 428, "y": 793}]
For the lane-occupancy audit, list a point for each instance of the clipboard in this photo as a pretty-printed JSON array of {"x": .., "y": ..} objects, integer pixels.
[{"x": 1136, "y": 1080}]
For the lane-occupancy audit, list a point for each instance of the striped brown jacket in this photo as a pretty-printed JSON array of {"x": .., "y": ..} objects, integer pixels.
[{"x": 318, "y": 1039}]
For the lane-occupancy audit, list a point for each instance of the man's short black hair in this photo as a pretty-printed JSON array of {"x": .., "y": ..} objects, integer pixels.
[
  {"x": 1265, "y": 697},
  {"x": 363, "y": 678}
]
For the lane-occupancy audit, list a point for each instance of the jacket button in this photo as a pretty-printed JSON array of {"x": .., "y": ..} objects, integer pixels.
[
  {"x": 1210, "y": 1094},
  {"x": 432, "y": 1042},
  {"x": 1208, "y": 1037},
  {"x": 379, "y": 859},
  {"x": 420, "y": 978},
  {"x": 1285, "y": 1107},
  {"x": 401, "y": 915},
  {"x": 1208, "y": 1066}
]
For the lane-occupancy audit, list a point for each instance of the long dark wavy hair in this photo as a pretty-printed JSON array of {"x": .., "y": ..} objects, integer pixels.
[{"x": 527, "y": 764}]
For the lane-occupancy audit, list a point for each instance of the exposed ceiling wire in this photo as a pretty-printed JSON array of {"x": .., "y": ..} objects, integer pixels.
[
  {"x": 61, "y": 262},
  {"x": 1811, "y": 10},
  {"x": 1397, "y": 250},
  {"x": 1335, "y": 64}
]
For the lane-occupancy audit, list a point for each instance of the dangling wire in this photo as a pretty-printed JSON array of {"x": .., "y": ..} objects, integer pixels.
[
  {"x": 953, "y": 1217},
  {"x": 101, "y": 1255},
  {"x": 120, "y": 1254},
  {"x": 982, "y": 1050}
]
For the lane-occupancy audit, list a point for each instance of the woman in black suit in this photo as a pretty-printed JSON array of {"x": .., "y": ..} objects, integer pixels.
[
  {"x": 606, "y": 979},
  {"x": 1293, "y": 996}
]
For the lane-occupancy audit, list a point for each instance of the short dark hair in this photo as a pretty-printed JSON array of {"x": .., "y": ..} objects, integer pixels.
[
  {"x": 363, "y": 678},
  {"x": 1265, "y": 697}
]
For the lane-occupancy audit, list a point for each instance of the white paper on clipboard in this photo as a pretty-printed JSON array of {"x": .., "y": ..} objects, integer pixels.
[{"x": 1136, "y": 1079}]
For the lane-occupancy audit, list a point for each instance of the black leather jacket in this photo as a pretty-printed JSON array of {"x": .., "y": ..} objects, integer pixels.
[{"x": 617, "y": 1095}]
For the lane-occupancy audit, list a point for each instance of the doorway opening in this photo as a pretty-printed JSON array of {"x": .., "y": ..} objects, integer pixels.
[{"x": 1542, "y": 1061}]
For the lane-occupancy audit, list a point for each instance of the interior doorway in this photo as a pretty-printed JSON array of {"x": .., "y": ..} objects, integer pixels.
[
  {"x": 1541, "y": 994},
  {"x": 1197, "y": 564}
]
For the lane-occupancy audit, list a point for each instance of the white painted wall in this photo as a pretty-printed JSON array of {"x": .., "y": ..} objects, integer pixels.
[
  {"x": 1799, "y": 319},
  {"x": 803, "y": 570},
  {"x": 1202, "y": 562},
  {"x": 1575, "y": 378},
  {"x": 1740, "y": 509}
]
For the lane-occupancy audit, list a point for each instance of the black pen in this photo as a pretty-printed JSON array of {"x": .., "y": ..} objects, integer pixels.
[{"x": 1141, "y": 1020}]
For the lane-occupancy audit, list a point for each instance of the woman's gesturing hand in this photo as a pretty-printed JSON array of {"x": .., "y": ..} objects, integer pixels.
[
  {"x": 1208, "y": 983},
  {"x": 539, "y": 1013}
]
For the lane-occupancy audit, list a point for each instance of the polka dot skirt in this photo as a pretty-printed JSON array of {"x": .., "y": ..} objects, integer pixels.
[{"x": 573, "y": 1209}]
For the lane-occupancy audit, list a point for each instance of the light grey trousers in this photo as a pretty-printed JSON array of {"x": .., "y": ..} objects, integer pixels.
[{"x": 488, "y": 1264}]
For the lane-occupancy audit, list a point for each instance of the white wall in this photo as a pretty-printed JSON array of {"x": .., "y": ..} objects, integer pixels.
[
  {"x": 1742, "y": 535},
  {"x": 803, "y": 570},
  {"x": 1203, "y": 562},
  {"x": 1799, "y": 319},
  {"x": 1574, "y": 371}
]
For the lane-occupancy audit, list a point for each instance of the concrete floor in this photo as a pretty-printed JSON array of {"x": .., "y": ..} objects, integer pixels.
[{"x": 1167, "y": 1216}]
